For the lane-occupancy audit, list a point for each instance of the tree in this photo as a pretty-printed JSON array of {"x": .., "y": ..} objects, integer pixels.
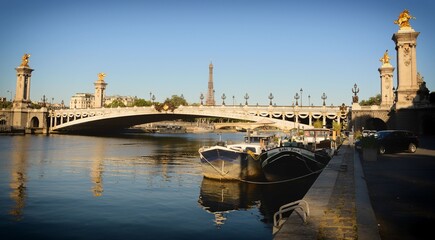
[
  {"x": 318, "y": 123},
  {"x": 140, "y": 102},
  {"x": 5, "y": 104},
  {"x": 371, "y": 101},
  {"x": 336, "y": 126},
  {"x": 116, "y": 103},
  {"x": 176, "y": 101}
]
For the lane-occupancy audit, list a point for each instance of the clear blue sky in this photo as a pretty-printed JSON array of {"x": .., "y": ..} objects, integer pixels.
[{"x": 165, "y": 47}]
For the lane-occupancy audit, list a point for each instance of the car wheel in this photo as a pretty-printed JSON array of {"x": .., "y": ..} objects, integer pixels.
[
  {"x": 382, "y": 149},
  {"x": 412, "y": 148}
]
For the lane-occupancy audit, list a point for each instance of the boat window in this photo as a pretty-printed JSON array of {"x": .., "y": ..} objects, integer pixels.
[{"x": 252, "y": 149}]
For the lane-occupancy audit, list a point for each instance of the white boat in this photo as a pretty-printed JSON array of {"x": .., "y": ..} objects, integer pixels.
[
  {"x": 235, "y": 161},
  {"x": 316, "y": 138}
]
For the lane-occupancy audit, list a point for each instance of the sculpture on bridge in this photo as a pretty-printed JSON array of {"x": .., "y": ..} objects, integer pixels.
[
  {"x": 403, "y": 20},
  {"x": 101, "y": 76},
  {"x": 385, "y": 59},
  {"x": 25, "y": 60}
]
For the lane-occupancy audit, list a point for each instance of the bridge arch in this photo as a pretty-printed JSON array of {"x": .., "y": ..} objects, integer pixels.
[
  {"x": 70, "y": 120},
  {"x": 375, "y": 124},
  {"x": 34, "y": 122}
]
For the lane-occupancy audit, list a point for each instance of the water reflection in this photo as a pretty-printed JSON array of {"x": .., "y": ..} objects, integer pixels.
[
  {"x": 221, "y": 197},
  {"x": 97, "y": 168},
  {"x": 18, "y": 176}
]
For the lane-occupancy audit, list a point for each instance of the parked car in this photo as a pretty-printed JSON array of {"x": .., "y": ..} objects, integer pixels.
[
  {"x": 396, "y": 141},
  {"x": 366, "y": 133}
]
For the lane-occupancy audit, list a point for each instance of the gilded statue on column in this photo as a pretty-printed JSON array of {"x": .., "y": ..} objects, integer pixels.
[
  {"x": 403, "y": 20},
  {"x": 25, "y": 60},
  {"x": 101, "y": 76},
  {"x": 385, "y": 59}
]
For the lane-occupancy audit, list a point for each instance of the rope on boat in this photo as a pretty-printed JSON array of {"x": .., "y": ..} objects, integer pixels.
[
  {"x": 217, "y": 170},
  {"x": 276, "y": 182}
]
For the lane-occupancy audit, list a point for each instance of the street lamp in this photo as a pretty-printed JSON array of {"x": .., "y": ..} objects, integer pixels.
[
  {"x": 246, "y": 98},
  {"x": 151, "y": 95},
  {"x": 301, "y": 95},
  {"x": 233, "y": 100},
  {"x": 153, "y": 99},
  {"x": 223, "y": 99},
  {"x": 296, "y": 98},
  {"x": 270, "y": 98},
  {"x": 309, "y": 100},
  {"x": 324, "y": 97},
  {"x": 43, "y": 100},
  {"x": 202, "y": 98}
]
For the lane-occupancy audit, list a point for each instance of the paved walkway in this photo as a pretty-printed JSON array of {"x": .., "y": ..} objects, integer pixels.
[{"x": 338, "y": 202}]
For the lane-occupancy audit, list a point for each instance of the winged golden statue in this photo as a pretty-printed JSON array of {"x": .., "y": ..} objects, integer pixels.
[
  {"x": 385, "y": 59},
  {"x": 403, "y": 20},
  {"x": 25, "y": 60},
  {"x": 101, "y": 76}
]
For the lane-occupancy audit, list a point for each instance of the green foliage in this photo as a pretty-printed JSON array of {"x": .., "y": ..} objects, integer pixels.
[
  {"x": 34, "y": 106},
  {"x": 357, "y": 134},
  {"x": 5, "y": 104},
  {"x": 337, "y": 127},
  {"x": 176, "y": 101},
  {"x": 115, "y": 103},
  {"x": 140, "y": 102},
  {"x": 318, "y": 123},
  {"x": 372, "y": 101}
]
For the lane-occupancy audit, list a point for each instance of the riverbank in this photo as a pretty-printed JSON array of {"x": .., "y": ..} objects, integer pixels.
[
  {"x": 389, "y": 198},
  {"x": 339, "y": 207}
]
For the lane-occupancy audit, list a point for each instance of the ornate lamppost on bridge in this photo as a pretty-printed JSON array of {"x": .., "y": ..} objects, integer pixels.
[
  {"x": 270, "y": 98},
  {"x": 301, "y": 95},
  {"x": 296, "y": 98},
  {"x": 355, "y": 91},
  {"x": 246, "y": 99},
  {"x": 324, "y": 97},
  {"x": 233, "y": 100},
  {"x": 223, "y": 99},
  {"x": 202, "y": 98},
  {"x": 44, "y": 100},
  {"x": 309, "y": 100}
]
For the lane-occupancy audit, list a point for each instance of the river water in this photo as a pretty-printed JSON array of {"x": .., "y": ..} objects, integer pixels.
[{"x": 128, "y": 187}]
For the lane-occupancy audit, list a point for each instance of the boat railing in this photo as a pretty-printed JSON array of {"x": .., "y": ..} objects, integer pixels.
[{"x": 301, "y": 207}]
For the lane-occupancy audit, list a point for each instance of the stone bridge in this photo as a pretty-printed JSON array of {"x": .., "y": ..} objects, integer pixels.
[{"x": 104, "y": 119}]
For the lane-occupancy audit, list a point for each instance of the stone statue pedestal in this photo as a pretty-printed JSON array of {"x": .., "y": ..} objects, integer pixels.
[
  {"x": 22, "y": 93},
  {"x": 407, "y": 86},
  {"x": 387, "y": 94}
]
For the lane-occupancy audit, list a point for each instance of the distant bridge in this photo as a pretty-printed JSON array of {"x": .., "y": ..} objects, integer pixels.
[{"x": 104, "y": 119}]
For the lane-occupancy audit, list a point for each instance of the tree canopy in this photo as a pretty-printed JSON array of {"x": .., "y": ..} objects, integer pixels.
[
  {"x": 376, "y": 100},
  {"x": 176, "y": 101}
]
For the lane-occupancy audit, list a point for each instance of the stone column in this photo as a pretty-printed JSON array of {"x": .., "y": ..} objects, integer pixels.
[
  {"x": 407, "y": 87},
  {"x": 387, "y": 94},
  {"x": 100, "y": 89},
  {"x": 22, "y": 92}
]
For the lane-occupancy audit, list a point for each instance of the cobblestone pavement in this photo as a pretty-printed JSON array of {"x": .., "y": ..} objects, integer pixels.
[
  {"x": 339, "y": 220},
  {"x": 339, "y": 205}
]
